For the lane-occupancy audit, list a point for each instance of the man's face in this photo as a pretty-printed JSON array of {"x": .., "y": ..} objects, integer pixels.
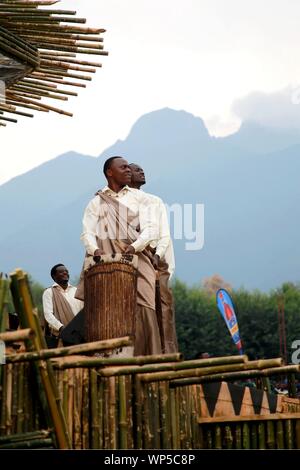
[
  {"x": 120, "y": 171},
  {"x": 61, "y": 275},
  {"x": 138, "y": 175}
]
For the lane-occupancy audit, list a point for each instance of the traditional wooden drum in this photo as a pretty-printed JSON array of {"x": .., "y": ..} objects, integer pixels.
[{"x": 110, "y": 288}]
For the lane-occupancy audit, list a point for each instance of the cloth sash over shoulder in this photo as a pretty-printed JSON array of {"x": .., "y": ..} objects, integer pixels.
[
  {"x": 117, "y": 229},
  {"x": 61, "y": 307}
]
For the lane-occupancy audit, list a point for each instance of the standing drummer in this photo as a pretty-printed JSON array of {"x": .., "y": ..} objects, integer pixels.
[
  {"x": 104, "y": 221},
  {"x": 164, "y": 262}
]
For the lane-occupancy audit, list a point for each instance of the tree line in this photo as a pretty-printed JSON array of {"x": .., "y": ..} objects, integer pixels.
[{"x": 201, "y": 328}]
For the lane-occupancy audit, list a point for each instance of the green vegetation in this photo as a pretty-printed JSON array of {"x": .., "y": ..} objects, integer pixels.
[{"x": 200, "y": 326}]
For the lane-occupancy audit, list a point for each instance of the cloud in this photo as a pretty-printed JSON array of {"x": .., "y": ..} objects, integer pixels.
[{"x": 280, "y": 109}]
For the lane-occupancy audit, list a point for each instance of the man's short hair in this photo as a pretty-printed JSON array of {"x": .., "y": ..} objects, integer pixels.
[
  {"x": 108, "y": 163},
  {"x": 53, "y": 270}
]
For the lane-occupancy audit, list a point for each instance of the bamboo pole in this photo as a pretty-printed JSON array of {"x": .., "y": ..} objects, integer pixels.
[
  {"x": 279, "y": 434},
  {"x": 101, "y": 414},
  {"x": 58, "y": 59},
  {"x": 106, "y": 416},
  {"x": 228, "y": 438},
  {"x": 178, "y": 368},
  {"x": 123, "y": 429},
  {"x": 218, "y": 438},
  {"x": 15, "y": 398},
  {"x": 42, "y": 105},
  {"x": 175, "y": 430},
  {"x": 41, "y": 79},
  {"x": 70, "y": 414},
  {"x": 112, "y": 412},
  {"x": 156, "y": 431},
  {"x": 24, "y": 105},
  {"x": 97, "y": 361},
  {"x": 137, "y": 406},
  {"x": 95, "y": 424},
  {"x": 217, "y": 377},
  {"x": 20, "y": 283},
  {"x": 2, "y": 402},
  {"x": 48, "y": 88},
  {"x": 175, "y": 372},
  {"x": 297, "y": 434},
  {"x": 18, "y": 335},
  {"x": 65, "y": 395},
  {"x": 261, "y": 435},
  {"x": 25, "y": 436},
  {"x": 8, "y": 399},
  {"x": 33, "y": 444},
  {"x": 238, "y": 436},
  {"x": 246, "y": 436},
  {"x": 182, "y": 417},
  {"x": 42, "y": 354},
  {"x": 164, "y": 415},
  {"x": 197, "y": 438},
  {"x": 254, "y": 440},
  {"x": 289, "y": 437},
  {"x": 36, "y": 92},
  {"x": 60, "y": 73},
  {"x": 271, "y": 443},
  {"x": 20, "y": 411},
  {"x": 209, "y": 439},
  {"x": 129, "y": 408},
  {"x": 78, "y": 385},
  {"x": 146, "y": 414},
  {"x": 85, "y": 411}
]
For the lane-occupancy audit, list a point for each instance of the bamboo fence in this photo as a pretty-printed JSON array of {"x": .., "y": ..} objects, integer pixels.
[
  {"x": 123, "y": 412},
  {"x": 47, "y": 48},
  {"x": 65, "y": 398}
]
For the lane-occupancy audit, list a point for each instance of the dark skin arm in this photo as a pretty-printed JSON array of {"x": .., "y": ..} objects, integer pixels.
[
  {"x": 129, "y": 250},
  {"x": 97, "y": 255}
]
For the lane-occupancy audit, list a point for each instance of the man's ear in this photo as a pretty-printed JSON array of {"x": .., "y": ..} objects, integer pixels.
[{"x": 109, "y": 172}]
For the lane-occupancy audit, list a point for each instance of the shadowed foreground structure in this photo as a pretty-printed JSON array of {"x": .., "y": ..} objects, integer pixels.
[{"x": 68, "y": 398}]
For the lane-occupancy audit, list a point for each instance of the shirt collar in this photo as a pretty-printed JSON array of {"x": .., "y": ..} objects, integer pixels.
[
  {"x": 57, "y": 285},
  {"x": 107, "y": 190}
]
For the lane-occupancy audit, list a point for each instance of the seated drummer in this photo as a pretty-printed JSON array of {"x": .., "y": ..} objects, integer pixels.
[{"x": 59, "y": 304}]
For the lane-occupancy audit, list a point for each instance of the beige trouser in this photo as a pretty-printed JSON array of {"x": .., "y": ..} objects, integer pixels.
[{"x": 147, "y": 337}]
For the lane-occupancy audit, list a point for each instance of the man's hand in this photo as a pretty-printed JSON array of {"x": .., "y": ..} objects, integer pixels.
[
  {"x": 155, "y": 261},
  {"x": 97, "y": 256},
  {"x": 129, "y": 250}
]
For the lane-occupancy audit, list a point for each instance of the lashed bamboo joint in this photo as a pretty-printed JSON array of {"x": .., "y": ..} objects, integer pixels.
[{"x": 39, "y": 46}]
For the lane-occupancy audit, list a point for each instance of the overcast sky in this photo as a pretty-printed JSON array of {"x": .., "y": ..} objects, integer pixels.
[{"x": 207, "y": 57}]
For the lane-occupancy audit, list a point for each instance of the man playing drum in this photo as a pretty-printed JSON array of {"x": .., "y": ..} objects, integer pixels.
[{"x": 117, "y": 220}]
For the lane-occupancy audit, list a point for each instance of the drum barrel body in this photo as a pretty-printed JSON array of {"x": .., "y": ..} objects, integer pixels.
[{"x": 110, "y": 301}]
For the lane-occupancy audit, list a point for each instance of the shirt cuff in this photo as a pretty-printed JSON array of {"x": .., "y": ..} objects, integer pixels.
[
  {"x": 91, "y": 250},
  {"x": 160, "y": 252},
  {"x": 138, "y": 245}
]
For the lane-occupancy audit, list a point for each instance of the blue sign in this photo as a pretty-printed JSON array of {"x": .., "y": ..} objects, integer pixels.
[{"x": 226, "y": 308}]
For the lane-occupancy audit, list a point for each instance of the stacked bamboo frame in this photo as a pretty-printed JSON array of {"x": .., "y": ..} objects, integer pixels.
[
  {"x": 52, "y": 45},
  {"x": 110, "y": 405},
  {"x": 66, "y": 398}
]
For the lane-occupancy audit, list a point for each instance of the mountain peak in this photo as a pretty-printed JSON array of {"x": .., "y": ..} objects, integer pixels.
[{"x": 170, "y": 123}]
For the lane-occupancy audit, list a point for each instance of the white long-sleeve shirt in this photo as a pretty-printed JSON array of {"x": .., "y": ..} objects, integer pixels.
[
  {"x": 163, "y": 244},
  {"x": 137, "y": 202},
  {"x": 69, "y": 293}
]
